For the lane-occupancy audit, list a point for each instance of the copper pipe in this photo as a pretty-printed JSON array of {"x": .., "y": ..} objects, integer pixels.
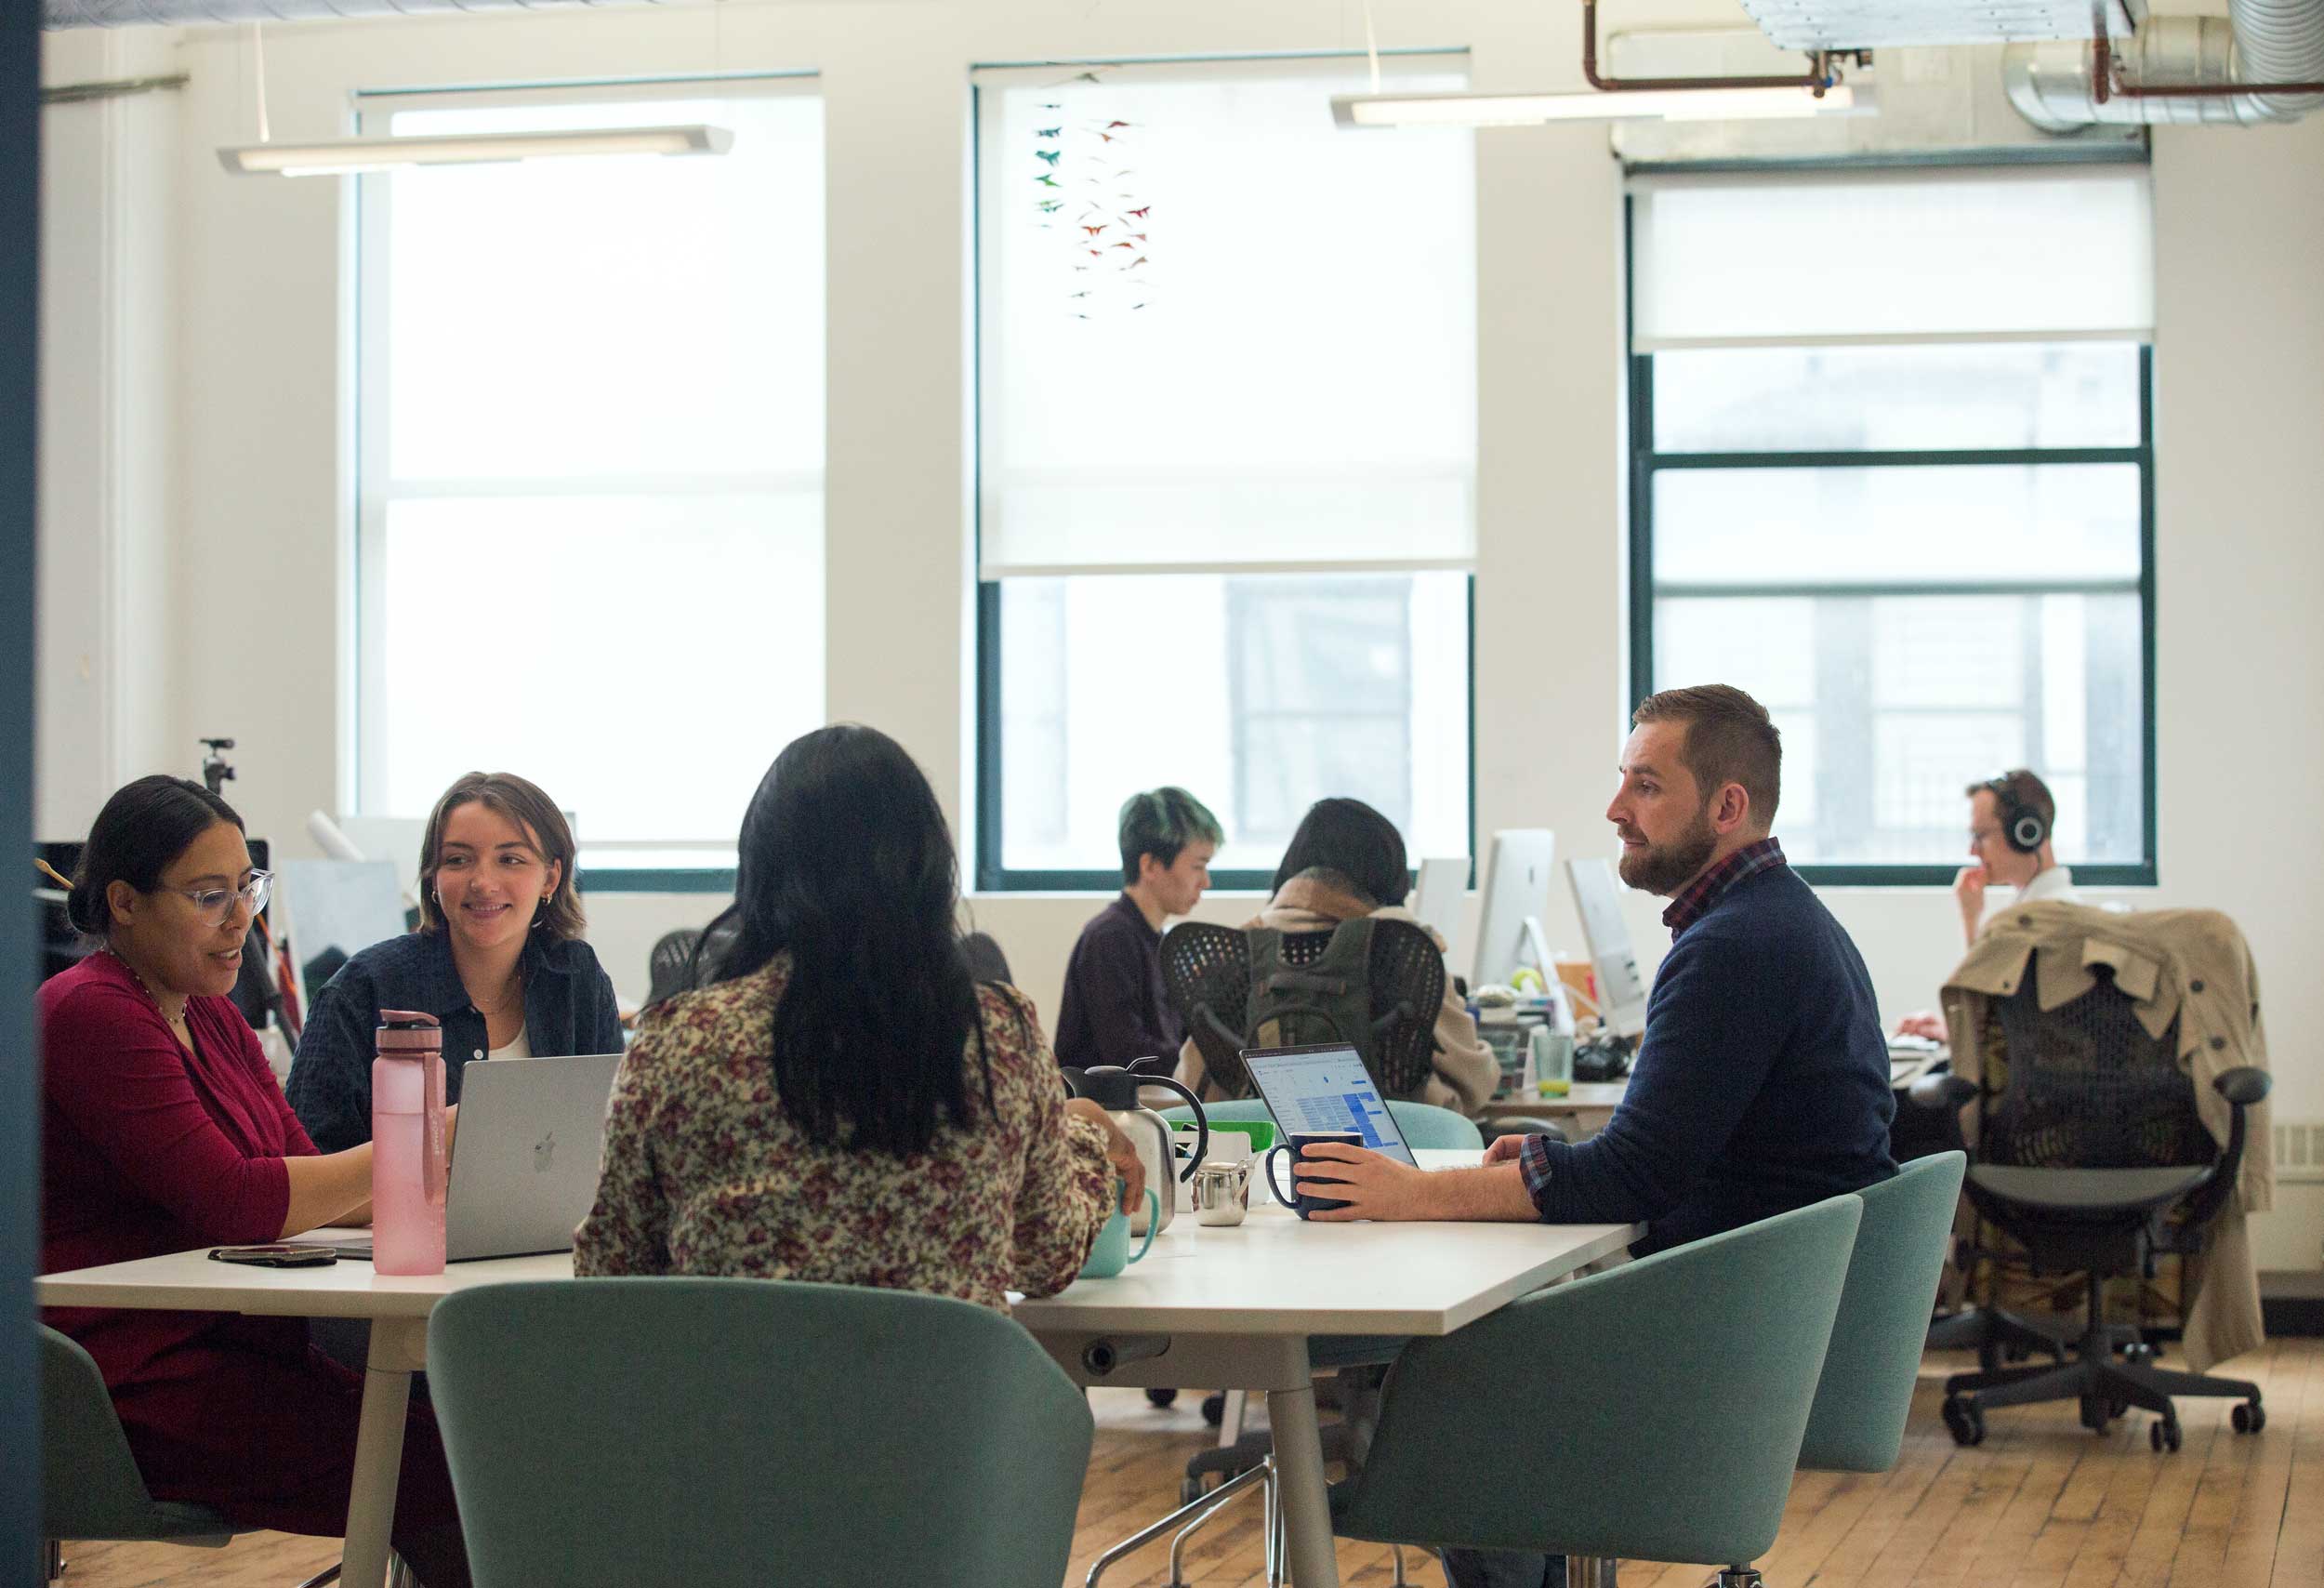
[
  {"x": 1815, "y": 82},
  {"x": 2219, "y": 90},
  {"x": 2104, "y": 82}
]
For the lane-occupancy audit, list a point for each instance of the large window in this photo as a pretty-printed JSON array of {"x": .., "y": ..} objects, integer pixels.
[
  {"x": 1227, "y": 445},
  {"x": 591, "y": 443},
  {"x": 1893, "y": 474}
]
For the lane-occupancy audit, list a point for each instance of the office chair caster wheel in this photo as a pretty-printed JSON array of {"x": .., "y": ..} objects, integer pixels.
[
  {"x": 2118, "y": 1407},
  {"x": 1189, "y": 1490},
  {"x": 2163, "y": 1434},
  {"x": 2096, "y": 1411},
  {"x": 2249, "y": 1417},
  {"x": 1161, "y": 1397},
  {"x": 1965, "y": 1420},
  {"x": 1214, "y": 1408}
]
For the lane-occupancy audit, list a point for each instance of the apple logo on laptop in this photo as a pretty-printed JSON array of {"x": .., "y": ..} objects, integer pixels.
[{"x": 543, "y": 1150}]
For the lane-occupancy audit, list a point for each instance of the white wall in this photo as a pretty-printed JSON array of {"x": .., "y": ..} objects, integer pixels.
[
  {"x": 259, "y": 508},
  {"x": 109, "y": 176}
]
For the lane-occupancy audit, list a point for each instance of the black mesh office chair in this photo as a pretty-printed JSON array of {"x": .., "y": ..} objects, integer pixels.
[
  {"x": 2092, "y": 1156},
  {"x": 986, "y": 963},
  {"x": 1207, "y": 972},
  {"x": 670, "y": 968}
]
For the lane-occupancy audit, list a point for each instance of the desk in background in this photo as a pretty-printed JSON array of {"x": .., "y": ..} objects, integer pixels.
[{"x": 1584, "y": 1109}]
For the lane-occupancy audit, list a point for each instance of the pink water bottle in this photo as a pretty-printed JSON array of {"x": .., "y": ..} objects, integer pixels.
[{"x": 409, "y": 1165}]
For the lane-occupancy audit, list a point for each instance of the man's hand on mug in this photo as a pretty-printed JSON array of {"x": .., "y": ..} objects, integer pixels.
[{"x": 1119, "y": 1151}]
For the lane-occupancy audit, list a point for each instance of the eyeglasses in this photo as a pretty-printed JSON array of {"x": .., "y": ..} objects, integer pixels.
[{"x": 213, "y": 904}]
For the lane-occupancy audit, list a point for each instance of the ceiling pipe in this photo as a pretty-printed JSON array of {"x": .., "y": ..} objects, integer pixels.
[
  {"x": 2178, "y": 70},
  {"x": 1816, "y": 80}
]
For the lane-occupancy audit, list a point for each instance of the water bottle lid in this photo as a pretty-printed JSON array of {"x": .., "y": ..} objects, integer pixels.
[{"x": 407, "y": 1030}]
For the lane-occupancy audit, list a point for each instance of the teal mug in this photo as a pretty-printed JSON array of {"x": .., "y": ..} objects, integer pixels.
[{"x": 1112, "y": 1254}]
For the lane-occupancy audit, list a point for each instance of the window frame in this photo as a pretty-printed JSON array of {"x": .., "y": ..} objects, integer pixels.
[
  {"x": 990, "y": 875},
  {"x": 1646, "y": 461},
  {"x": 676, "y": 865}
]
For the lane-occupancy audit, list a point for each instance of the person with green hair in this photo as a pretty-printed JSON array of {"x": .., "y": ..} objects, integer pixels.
[{"x": 1113, "y": 1009}]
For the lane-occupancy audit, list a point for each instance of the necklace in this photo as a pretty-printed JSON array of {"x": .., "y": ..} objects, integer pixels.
[
  {"x": 151, "y": 997},
  {"x": 515, "y": 988}
]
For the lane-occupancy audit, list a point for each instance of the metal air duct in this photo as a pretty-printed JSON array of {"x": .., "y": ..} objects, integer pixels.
[{"x": 2055, "y": 86}]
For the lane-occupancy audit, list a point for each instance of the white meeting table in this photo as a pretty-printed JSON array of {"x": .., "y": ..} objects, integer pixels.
[{"x": 1221, "y": 1308}]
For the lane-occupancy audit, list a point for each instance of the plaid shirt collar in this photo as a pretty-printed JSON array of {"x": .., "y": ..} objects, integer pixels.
[{"x": 1689, "y": 903}]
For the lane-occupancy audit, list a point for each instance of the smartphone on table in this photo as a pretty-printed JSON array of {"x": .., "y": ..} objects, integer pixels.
[{"x": 277, "y": 1255}]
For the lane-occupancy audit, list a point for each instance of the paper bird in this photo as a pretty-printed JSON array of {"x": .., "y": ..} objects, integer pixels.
[
  {"x": 1112, "y": 124},
  {"x": 1049, "y": 132},
  {"x": 1140, "y": 214},
  {"x": 1051, "y": 155},
  {"x": 1093, "y": 230},
  {"x": 1135, "y": 263},
  {"x": 1048, "y": 181}
]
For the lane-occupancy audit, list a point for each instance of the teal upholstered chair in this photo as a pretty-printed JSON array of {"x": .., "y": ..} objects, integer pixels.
[
  {"x": 732, "y": 1432},
  {"x": 90, "y": 1487},
  {"x": 1857, "y": 1424},
  {"x": 1423, "y": 1124},
  {"x": 1655, "y": 1412}
]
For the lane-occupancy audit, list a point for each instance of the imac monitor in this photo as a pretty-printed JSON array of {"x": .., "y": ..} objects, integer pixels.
[
  {"x": 1438, "y": 900},
  {"x": 1597, "y": 898},
  {"x": 1516, "y": 897}
]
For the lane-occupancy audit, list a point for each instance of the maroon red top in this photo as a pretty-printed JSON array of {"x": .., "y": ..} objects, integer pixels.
[{"x": 148, "y": 1149}]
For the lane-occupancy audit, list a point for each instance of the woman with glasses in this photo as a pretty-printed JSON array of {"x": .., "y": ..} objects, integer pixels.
[
  {"x": 164, "y": 1130},
  {"x": 498, "y": 958}
]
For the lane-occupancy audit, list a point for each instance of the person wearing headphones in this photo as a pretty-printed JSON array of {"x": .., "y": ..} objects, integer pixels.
[
  {"x": 2011, "y": 823},
  {"x": 2012, "y": 827}
]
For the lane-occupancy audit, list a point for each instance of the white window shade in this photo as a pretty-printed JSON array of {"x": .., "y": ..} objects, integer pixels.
[
  {"x": 1278, "y": 374},
  {"x": 1987, "y": 256}
]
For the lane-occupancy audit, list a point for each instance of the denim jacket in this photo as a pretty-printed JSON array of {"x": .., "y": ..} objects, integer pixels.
[{"x": 568, "y": 1009}]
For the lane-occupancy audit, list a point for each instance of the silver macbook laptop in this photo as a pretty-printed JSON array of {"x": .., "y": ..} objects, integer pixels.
[
  {"x": 1324, "y": 1087},
  {"x": 524, "y": 1163}
]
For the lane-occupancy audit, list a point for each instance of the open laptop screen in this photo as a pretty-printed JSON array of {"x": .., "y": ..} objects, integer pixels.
[{"x": 1324, "y": 1087}]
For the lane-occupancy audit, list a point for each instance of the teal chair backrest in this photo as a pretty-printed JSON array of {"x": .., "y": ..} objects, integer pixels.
[
  {"x": 1857, "y": 1424},
  {"x": 90, "y": 1486},
  {"x": 733, "y": 1433},
  {"x": 1651, "y": 1412},
  {"x": 1423, "y": 1124}
]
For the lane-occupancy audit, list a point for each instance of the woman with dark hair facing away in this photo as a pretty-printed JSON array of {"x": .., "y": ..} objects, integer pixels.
[
  {"x": 844, "y": 1103},
  {"x": 162, "y": 1131},
  {"x": 1347, "y": 860},
  {"x": 498, "y": 958}
]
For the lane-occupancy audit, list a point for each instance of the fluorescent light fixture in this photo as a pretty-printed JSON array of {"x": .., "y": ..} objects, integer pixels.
[
  {"x": 1534, "y": 109},
  {"x": 349, "y": 156}
]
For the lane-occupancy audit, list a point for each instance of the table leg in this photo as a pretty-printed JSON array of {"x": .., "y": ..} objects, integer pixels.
[
  {"x": 398, "y": 1346},
  {"x": 1306, "y": 1502}
]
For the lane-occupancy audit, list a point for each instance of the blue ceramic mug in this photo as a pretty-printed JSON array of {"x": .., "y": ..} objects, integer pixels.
[
  {"x": 1112, "y": 1254},
  {"x": 1304, "y": 1202}
]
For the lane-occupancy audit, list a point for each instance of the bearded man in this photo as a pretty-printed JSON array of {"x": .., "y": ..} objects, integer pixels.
[{"x": 1762, "y": 1082}]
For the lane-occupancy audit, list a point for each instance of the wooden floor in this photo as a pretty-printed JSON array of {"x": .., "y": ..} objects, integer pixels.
[{"x": 2040, "y": 1504}]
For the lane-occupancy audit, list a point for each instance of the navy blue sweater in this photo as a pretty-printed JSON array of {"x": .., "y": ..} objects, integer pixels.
[
  {"x": 1762, "y": 1085},
  {"x": 568, "y": 1009}
]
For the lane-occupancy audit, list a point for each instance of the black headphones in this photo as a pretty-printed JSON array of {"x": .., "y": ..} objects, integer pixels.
[{"x": 2022, "y": 826}]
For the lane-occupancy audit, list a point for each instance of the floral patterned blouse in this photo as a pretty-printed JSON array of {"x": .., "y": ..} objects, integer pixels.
[{"x": 704, "y": 1174}]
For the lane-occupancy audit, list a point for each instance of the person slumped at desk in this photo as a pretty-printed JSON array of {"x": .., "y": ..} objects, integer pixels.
[
  {"x": 163, "y": 1131},
  {"x": 1762, "y": 1082},
  {"x": 845, "y": 1105},
  {"x": 498, "y": 958}
]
